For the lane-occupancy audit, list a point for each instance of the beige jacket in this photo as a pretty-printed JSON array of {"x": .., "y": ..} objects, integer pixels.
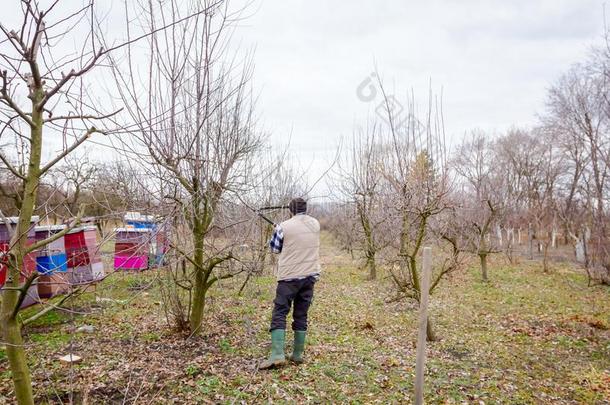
[{"x": 300, "y": 256}]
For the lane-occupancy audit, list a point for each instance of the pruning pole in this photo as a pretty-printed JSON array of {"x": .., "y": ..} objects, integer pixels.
[
  {"x": 423, "y": 323},
  {"x": 266, "y": 219}
]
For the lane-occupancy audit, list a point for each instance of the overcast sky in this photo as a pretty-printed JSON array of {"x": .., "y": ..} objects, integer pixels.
[{"x": 493, "y": 59}]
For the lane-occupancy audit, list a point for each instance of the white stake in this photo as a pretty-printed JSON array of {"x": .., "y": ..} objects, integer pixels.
[{"x": 423, "y": 323}]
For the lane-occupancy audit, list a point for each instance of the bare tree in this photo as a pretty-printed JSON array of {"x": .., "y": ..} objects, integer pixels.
[
  {"x": 77, "y": 172},
  {"x": 480, "y": 205},
  {"x": 40, "y": 95},
  {"x": 340, "y": 223},
  {"x": 359, "y": 176},
  {"x": 43, "y": 101},
  {"x": 416, "y": 171},
  {"x": 196, "y": 124},
  {"x": 577, "y": 114}
]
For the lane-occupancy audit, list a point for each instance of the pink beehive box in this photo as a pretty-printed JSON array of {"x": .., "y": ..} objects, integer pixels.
[
  {"x": 131, "y": 248},
  {"x": 131, "y": 262}
]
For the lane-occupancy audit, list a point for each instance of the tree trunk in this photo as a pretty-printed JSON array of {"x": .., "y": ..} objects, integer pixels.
[
  {"x": 196, "y": 317},
  {"x": 545, "y": 257},
  {"x": 10, "y": 326},
  {"x": 509, "y": 253},
  {"x": 406, "y": 265},
  {"x": 587, "y": 262},
  {"x": 17, "y": 361},
  {"x": 243, "y": 285},
  {"x": 370, "y": 258},
  {"x": 369, "y": 242},
  {"x": 430, "y": 334},
  {"x": 370, "y": 265},
  {"x": 201, "y": 287},
  {"x": 530, "y": 241},
  {"x": 483, "y": 257},
  {"x": 11, "y": 329}
]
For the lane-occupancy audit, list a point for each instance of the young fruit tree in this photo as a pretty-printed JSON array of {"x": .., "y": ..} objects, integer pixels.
[
  {"x": 480, "y": 201},
  {"x": 48, "y": 109},
  {"x": 190, "y": 99},
  {"x": 418, "y": 186},
  {"x": 358, "y": 180},
  {"x": 42, "y": 109}
]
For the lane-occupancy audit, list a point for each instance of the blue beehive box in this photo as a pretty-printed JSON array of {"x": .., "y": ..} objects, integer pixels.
[
  {"x": 52, "y": 263},
  {"x": 142, "y": 224},
  {"x": 139, "y": 221}
]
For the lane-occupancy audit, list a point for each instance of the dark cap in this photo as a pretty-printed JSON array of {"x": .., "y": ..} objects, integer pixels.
[{"x": 297, "y": 206}]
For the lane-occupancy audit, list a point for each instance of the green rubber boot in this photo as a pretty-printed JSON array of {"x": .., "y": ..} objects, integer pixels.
[
  {"x": 299, "y": 346},
  {"x": 277, "y": 357}
]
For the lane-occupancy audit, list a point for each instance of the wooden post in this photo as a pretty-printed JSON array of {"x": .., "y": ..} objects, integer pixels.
[{"x": 423, "y": 322}]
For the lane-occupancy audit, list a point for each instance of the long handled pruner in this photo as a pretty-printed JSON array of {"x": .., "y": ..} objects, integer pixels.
[{"x": 274, "y": 207}]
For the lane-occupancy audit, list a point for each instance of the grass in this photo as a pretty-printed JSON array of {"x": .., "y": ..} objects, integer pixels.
[{"x": 523, "y": 337}]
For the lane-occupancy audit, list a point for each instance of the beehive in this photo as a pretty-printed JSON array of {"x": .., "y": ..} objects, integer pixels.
[{"x": 131, "y": 248}]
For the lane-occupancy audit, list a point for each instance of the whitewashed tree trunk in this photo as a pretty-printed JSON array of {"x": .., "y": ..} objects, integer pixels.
[
  {"x": 511, "y": 235},
  {"x": 580, "y": 246},
  {"x": 580, "y": 251}
]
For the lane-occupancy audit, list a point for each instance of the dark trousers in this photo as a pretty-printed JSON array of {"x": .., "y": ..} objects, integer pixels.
[{"x": 299, "y": 292}]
